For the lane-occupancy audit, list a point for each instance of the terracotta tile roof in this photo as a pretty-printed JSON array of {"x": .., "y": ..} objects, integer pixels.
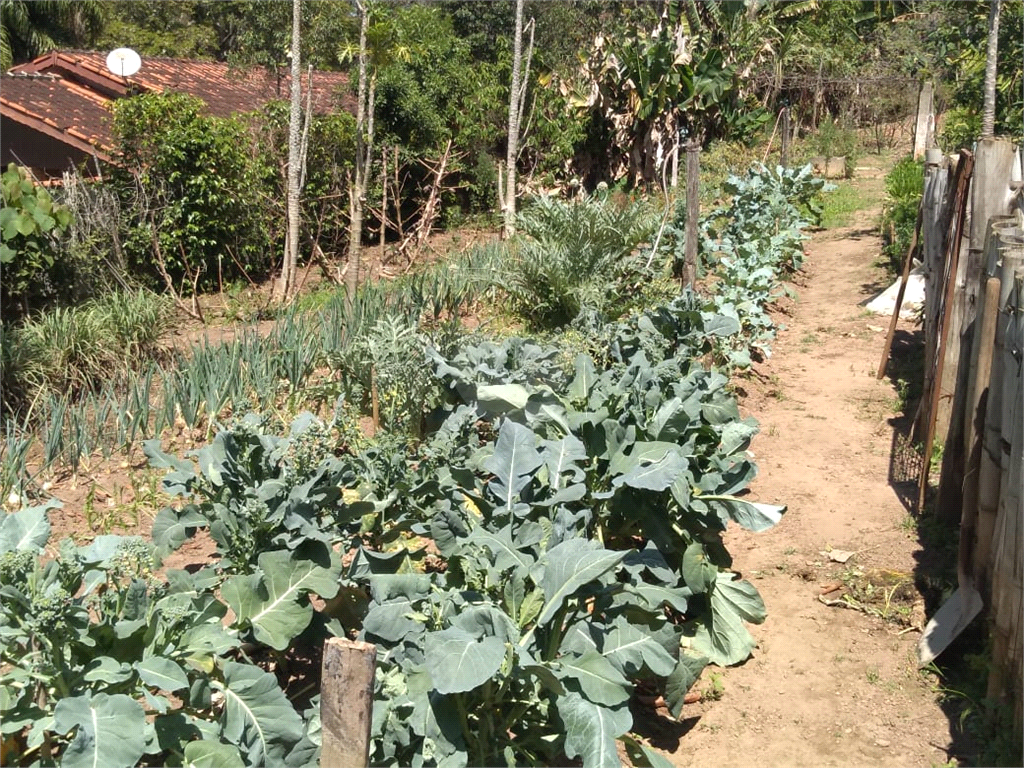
[
  {"x": 68, "y": 92},
  {"x": 57, "y": 107},
  {"x": 224, "y": 88}
]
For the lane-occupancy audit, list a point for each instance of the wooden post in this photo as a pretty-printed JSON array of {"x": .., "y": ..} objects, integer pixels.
[
  {"x": 1007, "y": 586},
  {"x": 980, "y": 373},
  {"x": 984, "y": 330},
  {"x": 784, "y": 156},
  {"x": 948, "y": 418},
  {"x": 934, "y": 205},
  {"x": 692, "y": 212},
  {"x": 956, "y": 222},
  {"x": 346, "y": 702},
  {"x": 990, "y": 473},
  {"x": 924, "y": 118}
]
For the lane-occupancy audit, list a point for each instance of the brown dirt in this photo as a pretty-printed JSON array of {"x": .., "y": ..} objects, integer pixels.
[{"x": 826, "y": 686}]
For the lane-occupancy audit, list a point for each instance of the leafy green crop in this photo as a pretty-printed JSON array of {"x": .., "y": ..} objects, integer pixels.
[
  {"x": 93, "y": 647},
  {"x": 551, "y": 539},
  {"x": 755, "y": 239}
]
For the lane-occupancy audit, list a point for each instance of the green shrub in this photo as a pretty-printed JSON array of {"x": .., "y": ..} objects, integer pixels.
[
  {"x": 194, "y": 190},
  {"x": 904, "y": 186},
  {"x": 960, "y": 128},
  {"x": 32, "y": 225},
  {"x": 577, "y": 255},
  {"x": 834, "y": 139}
]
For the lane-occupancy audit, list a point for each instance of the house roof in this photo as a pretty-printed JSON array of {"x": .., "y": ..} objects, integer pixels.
[
  {"x": 58, "y": 108},
  {"x": 67, "y": 94}
]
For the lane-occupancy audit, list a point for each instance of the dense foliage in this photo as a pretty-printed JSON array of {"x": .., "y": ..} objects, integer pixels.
[
  {"x": 904, "y": 186},
  {"x": 197, "y": 196},
  {"x": 32, "y": 225},
  {"x": 544, "y": 539}
]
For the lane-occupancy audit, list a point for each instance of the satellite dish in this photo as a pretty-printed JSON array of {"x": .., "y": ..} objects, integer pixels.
[{"x": 123, "y": 62}]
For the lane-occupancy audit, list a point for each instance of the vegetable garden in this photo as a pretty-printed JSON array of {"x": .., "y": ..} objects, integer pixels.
[{"x": 534, "y": 534}]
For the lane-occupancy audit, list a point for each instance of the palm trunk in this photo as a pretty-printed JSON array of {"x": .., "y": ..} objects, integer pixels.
[
  {"x": 357, "y": 193},
  {"x": 286, "y": 282},
  {"x": 988, "y": 112},
  {"x": 514, "y": 108}
]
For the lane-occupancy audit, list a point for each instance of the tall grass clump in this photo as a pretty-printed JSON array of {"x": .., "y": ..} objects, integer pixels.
[
  {"x": 72, "y": 350},
  {"x": 904, "y": 186},
  {"x": 576, "y": 255}
]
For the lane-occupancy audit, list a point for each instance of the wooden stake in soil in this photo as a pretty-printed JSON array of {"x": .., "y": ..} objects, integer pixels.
[
  {"x": 899, "y": 294},
  {"x": 346, "y": 702}
]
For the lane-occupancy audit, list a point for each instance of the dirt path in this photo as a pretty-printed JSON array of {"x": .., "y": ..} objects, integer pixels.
[{"x": 826, "y": 686}]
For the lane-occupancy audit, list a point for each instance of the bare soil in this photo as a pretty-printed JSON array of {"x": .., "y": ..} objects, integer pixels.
[{"x": 827, "y": 685}]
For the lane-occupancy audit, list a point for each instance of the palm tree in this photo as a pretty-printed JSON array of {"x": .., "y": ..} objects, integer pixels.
[{"x": 28, "y": 29}]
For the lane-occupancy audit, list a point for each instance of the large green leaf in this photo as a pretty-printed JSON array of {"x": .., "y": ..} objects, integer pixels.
[
  {"x": 586, "y": 377},
  {"x": 567, "y": 568},
  {"x": 212, "y": 754},
  {"x": 657, "y": 595},
  {"x": 736, "y": 436},
  {"x": 172, "y": 527},
  {"x": 649, "y": 466},
  {"x": 160, "y": 672},
  {"x": 257, "y": 716},
  {"x": 630, "y": 648},
  {"x": 721, "y": 634},
  {"x": 591, "y": 730},
  {"x": 111, "y": 730},
  {"x": 458, "y": 661},
  {"x": 504, "y": 551},
  {"x": 514, "y": 460},
  {"x": 751, "y": 515},
  {"x": 501, "y": 398},
  {"x": 28, "y": 529},
  {"x": 561, "y": 457},
  {"x": 681, "y": 680},
  {"x": 642, "y": 756},
  {"x": 269, "y": 602},
  {"x": 596, "y": 678},
  {"x": 698, "y": 572}
]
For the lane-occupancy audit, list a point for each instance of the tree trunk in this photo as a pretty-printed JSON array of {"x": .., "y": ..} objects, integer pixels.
[
  {"x": 384, "y": 202},
  {"x": 988, "y": 112},
  {"x": 286, "y": 282},
  {"x": 357, "y": 192},
  {"x": 514, "y": 108},
  {"x": 692, "y": 212}
]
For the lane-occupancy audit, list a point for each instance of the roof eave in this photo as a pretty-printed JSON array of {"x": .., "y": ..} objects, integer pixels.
[{"x": 12, "y": 112}]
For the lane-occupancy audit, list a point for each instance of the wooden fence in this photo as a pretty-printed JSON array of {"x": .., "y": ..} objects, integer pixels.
[{"x": 972, "y": 232}]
